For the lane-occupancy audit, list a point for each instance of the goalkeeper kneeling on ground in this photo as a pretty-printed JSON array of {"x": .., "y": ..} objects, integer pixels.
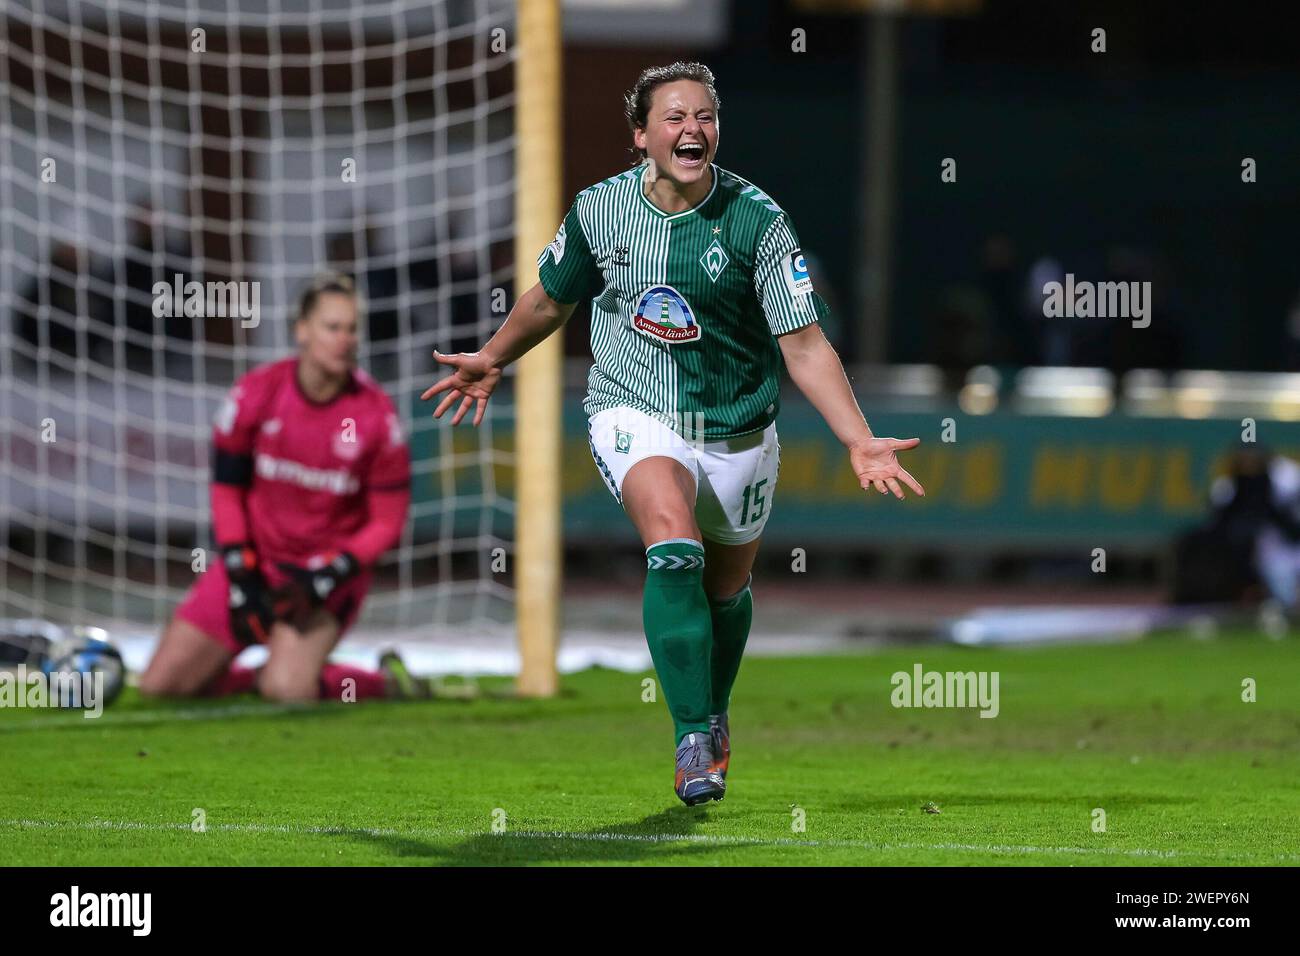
[{"x": 311, "y": 485}]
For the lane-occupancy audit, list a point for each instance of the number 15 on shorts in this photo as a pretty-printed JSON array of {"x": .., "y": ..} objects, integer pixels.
[{"x": 754, "y": 494}]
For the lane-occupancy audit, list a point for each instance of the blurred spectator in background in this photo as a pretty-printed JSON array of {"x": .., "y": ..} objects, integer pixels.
[
  {"x": 1251, "y": 538},
  {"x": 1053, "y": 338},
  {"x": 1012, "y": 338},
  {"x": 1293, "y": 336},
  {"x": 1162, "y": 344},
  {"x": 468, "y": 274},
  {"x": 54, "y": 290},
  {"x": 1264, "y": 491},
  {"x": 961, "y": 333},
  {"x": 1111, "y": 341},
  {"x": 151, "y": 256},
  {"x": 382, "y": 282},
  {"x": 375, "y": 279}
]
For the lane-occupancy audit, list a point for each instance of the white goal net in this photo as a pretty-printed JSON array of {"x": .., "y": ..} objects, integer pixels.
[{"x": 244, "y": 141}]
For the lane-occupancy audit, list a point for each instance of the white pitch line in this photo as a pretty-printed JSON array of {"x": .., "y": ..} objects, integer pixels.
[
  {"x": 161, "y": 716},
  {"x": 866, "y": 845},
  {"x": 225, "y": 827},
  {"x": 599, "y": 837}
]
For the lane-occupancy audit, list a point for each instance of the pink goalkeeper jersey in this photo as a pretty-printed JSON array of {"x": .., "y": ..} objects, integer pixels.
[{"x": 313, "y": 464}]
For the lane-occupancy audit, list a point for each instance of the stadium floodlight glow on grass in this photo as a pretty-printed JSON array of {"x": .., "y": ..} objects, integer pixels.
[{"x": 256, "y": 142}]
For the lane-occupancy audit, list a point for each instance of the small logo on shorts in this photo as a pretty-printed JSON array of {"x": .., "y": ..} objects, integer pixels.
[
  {"x": 622, "y": 441},
  {"x": 663, "y": 314}
]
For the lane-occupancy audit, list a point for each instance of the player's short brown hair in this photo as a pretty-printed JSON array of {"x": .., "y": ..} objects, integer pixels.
[
  {"x": 636, "y": 101},
  {"x": 326, "y": 283}
]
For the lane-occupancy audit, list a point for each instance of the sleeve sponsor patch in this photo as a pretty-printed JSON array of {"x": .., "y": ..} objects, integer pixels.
[
  {"x": 556, "y": 248},
  {"x": 795, "y": 271}
]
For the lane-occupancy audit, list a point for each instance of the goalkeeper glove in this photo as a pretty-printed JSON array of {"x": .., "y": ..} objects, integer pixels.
[
  {"x": 249, "y": 603},
  {"x": 310, "y": 587}
]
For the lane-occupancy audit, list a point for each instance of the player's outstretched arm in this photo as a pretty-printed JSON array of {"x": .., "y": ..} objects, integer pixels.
[
  {"x": 476, "y": 374},
  {"x": 817, "y": 370}
]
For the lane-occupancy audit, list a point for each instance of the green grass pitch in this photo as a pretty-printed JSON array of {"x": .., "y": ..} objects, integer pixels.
[{"x": 1155, "y": 733}]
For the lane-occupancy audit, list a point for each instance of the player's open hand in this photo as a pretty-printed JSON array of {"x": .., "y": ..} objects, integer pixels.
[
  {"x": 875, "y": 464},
  {"x": 474, "y": 380}
]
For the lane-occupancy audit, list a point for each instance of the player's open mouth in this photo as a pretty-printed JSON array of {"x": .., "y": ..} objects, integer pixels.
[{"x": 690, "y": 154}]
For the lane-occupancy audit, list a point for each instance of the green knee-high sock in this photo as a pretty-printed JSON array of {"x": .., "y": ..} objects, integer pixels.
[
  {"x": 679, "y": 630},
  {"x": 731, "y": 618}
]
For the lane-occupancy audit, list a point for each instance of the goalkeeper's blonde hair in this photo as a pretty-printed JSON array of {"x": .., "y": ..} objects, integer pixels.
[{"x": 328, "y": 283}]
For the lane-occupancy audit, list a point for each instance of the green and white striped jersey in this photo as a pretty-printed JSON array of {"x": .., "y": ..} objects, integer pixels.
[{"x": 685, "y": 306}]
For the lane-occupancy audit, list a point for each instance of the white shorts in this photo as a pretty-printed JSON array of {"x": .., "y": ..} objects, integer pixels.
[{"x": 734, "y": 478}]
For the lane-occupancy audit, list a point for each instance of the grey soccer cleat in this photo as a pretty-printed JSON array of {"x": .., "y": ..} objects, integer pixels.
[
  {"x": 697, "y": 780},
  {"x": 720, "y": 731}
]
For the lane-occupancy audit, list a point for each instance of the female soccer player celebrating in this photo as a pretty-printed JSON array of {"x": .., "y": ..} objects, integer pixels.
[
  {"x": 698, "y": 289},
  {"x": 311, "y": 484}
]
